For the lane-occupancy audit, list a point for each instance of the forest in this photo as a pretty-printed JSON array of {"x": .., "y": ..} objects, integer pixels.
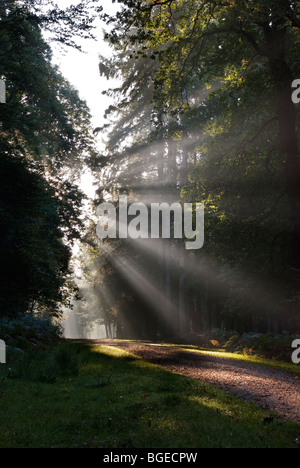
[
  {"x": 205, "y": 112},
  {"x": 185, "y": 261}
]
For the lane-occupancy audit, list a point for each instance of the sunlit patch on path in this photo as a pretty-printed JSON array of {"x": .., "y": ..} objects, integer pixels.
[{"x": 273, "y": 389}]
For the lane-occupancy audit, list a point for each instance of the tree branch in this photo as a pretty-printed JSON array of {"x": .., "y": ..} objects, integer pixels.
[{"x": 294, "y": 19}]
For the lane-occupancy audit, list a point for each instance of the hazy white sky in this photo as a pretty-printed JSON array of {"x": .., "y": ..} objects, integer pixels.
[{"x": 81, "y": 69}]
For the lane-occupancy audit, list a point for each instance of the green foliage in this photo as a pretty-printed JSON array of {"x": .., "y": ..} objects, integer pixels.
[
  {"x": 219, "y": 77},
  {"x": 45, "y": 364},
  {"x": 34, "y": 266},
  {"x": 233, "y": 342},
  {"x": 29, "y": 332},
  {"x": 45, "y": 140},
  {"x": 269, "y": 346},
  {"x": 64, "y": 25},
  {"x": 44, "y": 118}
]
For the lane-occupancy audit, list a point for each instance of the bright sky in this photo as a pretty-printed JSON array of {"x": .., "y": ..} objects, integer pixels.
[{"x": 82, "y": 71}]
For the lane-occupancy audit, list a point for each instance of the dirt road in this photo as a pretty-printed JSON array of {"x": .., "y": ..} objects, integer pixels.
[{"x": 276, "y": 390}]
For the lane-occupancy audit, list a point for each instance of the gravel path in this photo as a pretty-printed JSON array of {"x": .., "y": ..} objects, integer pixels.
[{"x": 275, "y": 390}]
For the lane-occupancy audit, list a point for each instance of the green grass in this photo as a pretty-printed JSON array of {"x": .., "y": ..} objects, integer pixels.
[{"x": 95, "y": 396}]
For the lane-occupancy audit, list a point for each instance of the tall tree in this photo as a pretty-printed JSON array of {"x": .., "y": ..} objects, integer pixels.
[
  {"x": 45, "y": 140},
  {"x": 222, "y": 63}
]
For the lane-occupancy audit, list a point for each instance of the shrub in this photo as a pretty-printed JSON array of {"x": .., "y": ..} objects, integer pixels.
[
  {"x": 270, "y": 346},
  {"x": 28, "y": 330},
  {"x": 233, "y": 342},
  {"x": 43, "y": 366}
]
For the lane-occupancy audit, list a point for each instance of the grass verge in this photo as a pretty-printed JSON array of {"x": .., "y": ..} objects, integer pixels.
[{"x": 100, "y": 397}]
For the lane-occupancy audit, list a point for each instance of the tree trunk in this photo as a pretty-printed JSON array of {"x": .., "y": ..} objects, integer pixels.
[
  {"x": 168, "y": 283},
  {"x": 183, "y": 326},
  {"x": 184, "y": 162},
  {"x": 172, "y": 166},
  {"x": 160, "y": 163}
]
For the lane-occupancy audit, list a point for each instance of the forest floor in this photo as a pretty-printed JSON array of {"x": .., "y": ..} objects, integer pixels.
[
  {"x": 94, "y": 395},
  {"x": 274, "y": 389}
]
